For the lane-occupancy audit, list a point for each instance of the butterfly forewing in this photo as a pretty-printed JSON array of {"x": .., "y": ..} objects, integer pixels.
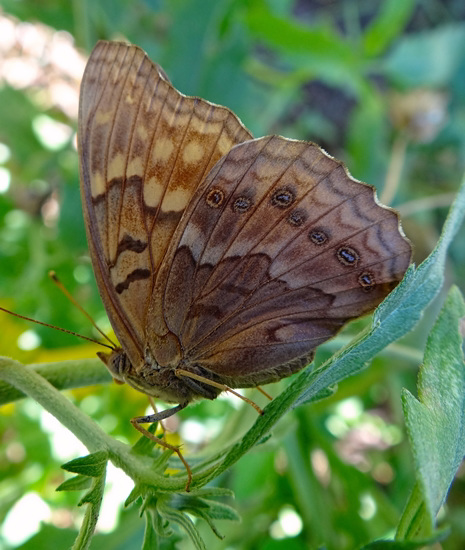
[
  {"x": 276, "y": 251},
  {"x": 144, "y": 149}
]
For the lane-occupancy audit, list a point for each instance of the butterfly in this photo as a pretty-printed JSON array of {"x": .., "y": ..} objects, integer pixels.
[{"x": 222, "y": 260}]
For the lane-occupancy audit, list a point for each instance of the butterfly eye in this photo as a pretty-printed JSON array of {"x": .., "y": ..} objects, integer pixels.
[
  {"x": 283, "y": 198},
  {"x": 367, "y": 280},
  {"x": 215, "y": 198},
  {"x": 348, "y": 256},
  {"x": 318, "y": 237},
  {"x": 117, "y": 363}
]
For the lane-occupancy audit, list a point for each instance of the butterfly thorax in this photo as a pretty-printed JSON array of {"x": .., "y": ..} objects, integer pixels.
[{"x": 159, "y": 381}]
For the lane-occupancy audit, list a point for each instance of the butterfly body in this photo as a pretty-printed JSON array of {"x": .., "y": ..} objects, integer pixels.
[
  {"x": 157, "y": 381},
  {"x": 219, "y": 258}
]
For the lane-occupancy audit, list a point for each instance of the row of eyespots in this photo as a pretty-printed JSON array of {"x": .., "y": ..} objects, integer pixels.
[{"x": 283, "y": 198}]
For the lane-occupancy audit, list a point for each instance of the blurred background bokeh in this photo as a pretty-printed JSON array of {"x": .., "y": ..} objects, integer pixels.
[{"x": 378, "y": 84}]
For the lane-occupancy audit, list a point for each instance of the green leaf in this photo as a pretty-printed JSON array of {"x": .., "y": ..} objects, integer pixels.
[
  {"x": 429, "y": 58},
  {"x": 138, "y": 491},
  {"x": 219, "y": 510},
  {"x": 48, "y": 537},
  {"x": 144, "y": 445},
  {"x": 367, "y": 139},
  {"x": 205, "y": 509},
  {"x": 389, "y": 23},
  {"x": 200, "y": 506},
  {"x": 323, "y": 394},
  {"x": 211, "y": 492},
  {"x": 150, "y": 536},
  {"x": 76, "y": 483},
  {"x": 406, "y": 544},
  {"x": 287, "y": 35},
  {"x": 94, "y": 501},
  {"x": 160, "y": 525},
  {"x": 92, "y": 465},
  {"x": 207, "y": 518},
  {"x": 319, "y": 51},
  {"x": 163, "y": 509},
  {"x": 182, "y": 520},
  {"x": 435, "y": 421}
]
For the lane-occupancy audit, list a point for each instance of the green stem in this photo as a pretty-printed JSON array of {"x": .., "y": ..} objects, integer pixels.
[
  {"x": 33, "y": 385},
  {"x": 139, "y": 468},
  {"x": 62, "y": 375}
]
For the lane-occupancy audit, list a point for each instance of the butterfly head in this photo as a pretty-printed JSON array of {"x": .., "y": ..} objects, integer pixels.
[{"x": 117, "y": 363}]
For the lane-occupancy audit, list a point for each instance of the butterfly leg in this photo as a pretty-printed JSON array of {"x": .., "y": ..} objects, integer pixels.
[
  {"x": 154, "y": 407},
  {"x": 157, "y": 417},
  {"x": 266, "y": 394},
  {"x": 222, "y": 387}
]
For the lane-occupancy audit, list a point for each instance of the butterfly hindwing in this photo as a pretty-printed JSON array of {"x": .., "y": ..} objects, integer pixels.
[{"x": 277, "y": 250}]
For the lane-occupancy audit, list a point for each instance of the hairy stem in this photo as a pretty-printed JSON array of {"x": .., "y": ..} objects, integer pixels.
[{"x": 139, "y": 468}]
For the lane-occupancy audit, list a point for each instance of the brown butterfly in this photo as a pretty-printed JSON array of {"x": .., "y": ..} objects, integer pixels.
[{"x": 222, "y": 260}]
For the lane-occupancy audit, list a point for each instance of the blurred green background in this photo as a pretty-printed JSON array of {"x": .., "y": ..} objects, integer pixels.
[{"x": 378, "y": 84}]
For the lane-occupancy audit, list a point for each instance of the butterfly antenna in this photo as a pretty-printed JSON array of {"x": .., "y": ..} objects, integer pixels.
[
  {"x": 61, "y": 286},
  {"x": 55, "y": 327}
]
